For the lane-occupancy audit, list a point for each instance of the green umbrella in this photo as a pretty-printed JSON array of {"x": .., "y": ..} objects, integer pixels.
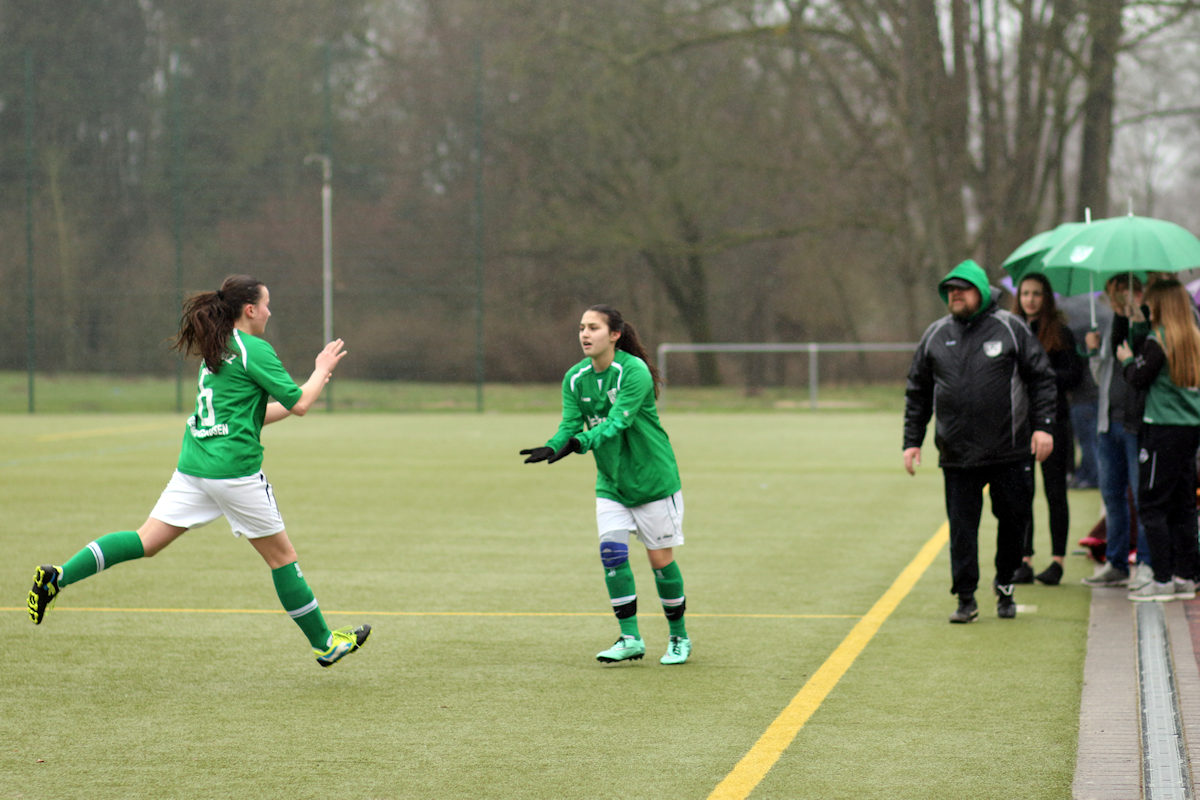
[
  {"x": 1029, "y": 256},
  {"x": 1086, "y": 259}
]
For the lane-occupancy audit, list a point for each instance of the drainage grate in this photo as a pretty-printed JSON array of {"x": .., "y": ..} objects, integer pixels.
[{"x": 1165, "y": 771}]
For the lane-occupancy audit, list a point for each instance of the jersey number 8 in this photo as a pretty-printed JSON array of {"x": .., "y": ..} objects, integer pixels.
[{"x": 204, "y": 404}]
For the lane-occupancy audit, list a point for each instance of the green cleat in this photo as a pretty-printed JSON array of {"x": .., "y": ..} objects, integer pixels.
[
  {"x": 626, "y": 648},
  {"x": 45, "y": 589},
  {"x": 678, "y": 650},
  {"x": 342, "y": 642}
]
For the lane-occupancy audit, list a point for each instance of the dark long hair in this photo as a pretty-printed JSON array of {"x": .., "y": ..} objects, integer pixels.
[
  {"x": 208, "y": 319},
  {"x": 1049, "y": 321},
  {"x": 629, "y": 341}
]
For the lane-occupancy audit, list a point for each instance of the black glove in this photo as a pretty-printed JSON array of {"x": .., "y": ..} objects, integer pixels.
[
  {"x": 572, "y": 446},
  {"x": 537, "y": 454}
]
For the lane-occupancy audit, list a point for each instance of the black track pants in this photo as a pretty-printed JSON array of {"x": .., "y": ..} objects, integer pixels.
[
  {"x": 1054, "y": 483},
  {"x": 1010, "y": 488},
  {"x": 1167, "y": 498}
]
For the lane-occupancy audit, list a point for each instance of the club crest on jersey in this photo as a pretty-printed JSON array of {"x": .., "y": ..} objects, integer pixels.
[
  {"x": 612, "y": 395},
  {"x": 993, "y": 348}
]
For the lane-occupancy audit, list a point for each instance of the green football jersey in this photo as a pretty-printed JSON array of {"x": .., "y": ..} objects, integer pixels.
[
  {"x": 1166, "y": 403},
  {"x": 222, "y": 437},
  {"x": 613, "y": 415}
]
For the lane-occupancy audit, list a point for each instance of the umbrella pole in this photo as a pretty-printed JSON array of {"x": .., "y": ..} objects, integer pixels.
[{"x": 1092, "y": 298}]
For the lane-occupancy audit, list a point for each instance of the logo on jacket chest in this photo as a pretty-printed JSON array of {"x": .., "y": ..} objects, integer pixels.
[{"x": 993, "y": 348}]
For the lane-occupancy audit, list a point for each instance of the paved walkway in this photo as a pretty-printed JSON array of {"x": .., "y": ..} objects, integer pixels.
[{"x": 1110, "y": 764}]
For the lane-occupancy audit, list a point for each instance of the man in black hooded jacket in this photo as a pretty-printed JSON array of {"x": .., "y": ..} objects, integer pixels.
[{"x": 981, "y": 370}]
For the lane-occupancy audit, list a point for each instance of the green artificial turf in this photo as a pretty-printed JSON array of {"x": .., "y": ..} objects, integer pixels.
[{"x": 180, "y": 677}]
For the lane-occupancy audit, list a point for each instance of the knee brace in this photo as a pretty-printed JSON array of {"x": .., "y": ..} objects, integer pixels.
[{"x": 614, "y": 549}]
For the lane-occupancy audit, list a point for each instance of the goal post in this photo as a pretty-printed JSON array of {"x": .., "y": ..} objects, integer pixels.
[{"x": 813, "y": 349}]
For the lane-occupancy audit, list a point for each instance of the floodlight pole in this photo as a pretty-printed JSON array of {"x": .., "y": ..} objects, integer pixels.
[{"x": 326, "y": 251}]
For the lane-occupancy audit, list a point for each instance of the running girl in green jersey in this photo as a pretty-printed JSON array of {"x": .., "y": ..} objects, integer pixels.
[
  {"x": 242, "y": 386},
  {"x": 608, "y": 402}
]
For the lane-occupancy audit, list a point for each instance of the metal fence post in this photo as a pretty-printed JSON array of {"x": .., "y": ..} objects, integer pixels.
[
  {"x": 30, "y": 324},
  {"x": 813, "y": 372}
]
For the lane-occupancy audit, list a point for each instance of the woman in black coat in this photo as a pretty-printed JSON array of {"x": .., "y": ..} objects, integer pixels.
[{"x": 1034, "y": 302}]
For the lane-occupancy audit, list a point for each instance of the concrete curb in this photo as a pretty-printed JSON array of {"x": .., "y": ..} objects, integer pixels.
[{"x": 1108, "y": 764}]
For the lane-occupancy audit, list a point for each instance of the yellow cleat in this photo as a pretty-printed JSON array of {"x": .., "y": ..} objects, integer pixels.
[
  {"x": 45, "y": 589},
  {"x": 342, "y": 643}
]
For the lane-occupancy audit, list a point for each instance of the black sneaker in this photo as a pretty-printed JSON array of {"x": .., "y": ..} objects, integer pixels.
[
  {"x": 45, "y": 589},
  {"x": 1006, "y": 606},
  {"x": 1052, "y": 575},
  {"x": 1023, "y": 573},
  {"x": 967, "y": 610}
]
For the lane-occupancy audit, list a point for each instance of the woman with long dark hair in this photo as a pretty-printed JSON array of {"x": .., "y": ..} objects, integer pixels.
[
  {"x": 242, "y": 386},
  {"x": 608, "y": 409},
  {"x": 1167, "y": 367},
  {"x": 1034, "y": 303}
]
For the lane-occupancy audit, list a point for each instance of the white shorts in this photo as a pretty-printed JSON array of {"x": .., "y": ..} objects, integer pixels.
[
  {"x": 248, "y": 503},
  {"x": 658, "y": 524}
]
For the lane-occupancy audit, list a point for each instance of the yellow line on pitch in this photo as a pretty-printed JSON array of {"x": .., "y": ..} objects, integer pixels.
[
  {"x": 96, "y": 432},
  {"x": 605, "y": 614},
  {"x": 754, "y": 766}
]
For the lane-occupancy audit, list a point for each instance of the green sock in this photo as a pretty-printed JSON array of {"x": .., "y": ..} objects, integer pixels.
[
  {"x": 669, "y": 581},
  {"x": 623, "y": 593},
  {"x": 299, "y": 603},
  {"x": 109, "y": 549}
]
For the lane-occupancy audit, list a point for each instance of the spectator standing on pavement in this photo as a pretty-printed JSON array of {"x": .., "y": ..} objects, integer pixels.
[
  {"x": 984, "y": 375},
  {"x": 1034, "y": 303},
  {"x": 1167, "y": 368},
  {"x": 1119, "y": 417},
  {"x": 1085, "y": 398}
]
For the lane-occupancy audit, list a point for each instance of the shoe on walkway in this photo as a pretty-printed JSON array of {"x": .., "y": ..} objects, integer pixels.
[
  {"x": 1109, "y": 576},
  {"x": 1023, "y": 573},
  {"x": 1006, "y": 604},
  {"x": 967, "y": 610},
  {"x": 1184, "y": 588},
  {"x": 45, "y": 589},
  {"x": 1140, "y": 576},
  {"x": 1051, "y": 575},
  {"x": 678, "y": 650},
  {"x": 1154, "y": 592},
  {"x": 342, "y": 642}
]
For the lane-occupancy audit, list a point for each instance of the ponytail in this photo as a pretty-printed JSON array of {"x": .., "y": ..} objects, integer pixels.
[
  {"x": 208, "y": 319},
  {"x": 628, "y": 340}
]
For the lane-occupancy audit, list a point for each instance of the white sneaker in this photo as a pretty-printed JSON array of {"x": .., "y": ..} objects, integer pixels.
[
  {"x": 1184, "y": 588},
  {"x": 1154, "y": 592},
  {"x": 1108, "y": 575},
  {"x": 1140, "y": 576}
]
